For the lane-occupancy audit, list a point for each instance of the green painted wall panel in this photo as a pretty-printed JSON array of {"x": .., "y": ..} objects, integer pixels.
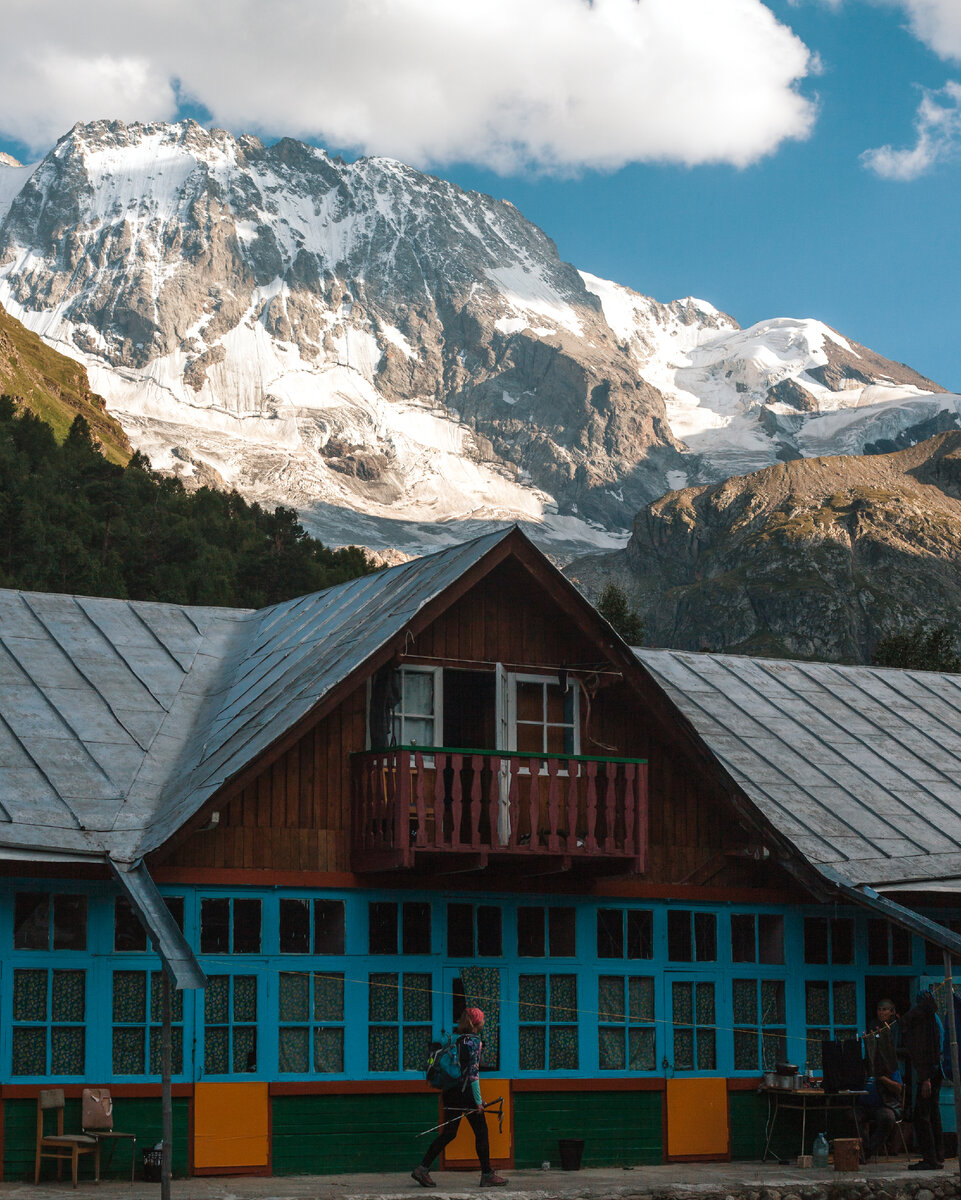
[
  {"x": 326, "y": 1135},
  {"x": 132, "y": 1115},
  {"x": 749, "y": 1114},
  {"x": 620, "y": 1129}
]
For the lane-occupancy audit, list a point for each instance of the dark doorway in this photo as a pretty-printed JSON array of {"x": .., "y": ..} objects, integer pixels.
[{"x": 469, "y": 710}]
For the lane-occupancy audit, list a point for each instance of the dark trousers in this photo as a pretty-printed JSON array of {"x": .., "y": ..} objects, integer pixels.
[
  {"x": 881, "y": 1120},
  {"x": 927, "y": 1122},
  {"x": 455, "y": 1107}
]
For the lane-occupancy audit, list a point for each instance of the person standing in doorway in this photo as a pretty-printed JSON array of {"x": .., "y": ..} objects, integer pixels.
[
  {"x": 921, "y": 1027},
  {"x": 463, "y": 1100}
]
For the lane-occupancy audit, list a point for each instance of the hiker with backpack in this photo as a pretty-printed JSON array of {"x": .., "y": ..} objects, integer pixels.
[{"x": 457, "y": 1073}]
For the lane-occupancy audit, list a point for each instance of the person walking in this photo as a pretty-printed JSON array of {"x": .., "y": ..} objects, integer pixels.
[
  {"x": 922, "y": 1040},
  {"x": 463, "y": 1100}
]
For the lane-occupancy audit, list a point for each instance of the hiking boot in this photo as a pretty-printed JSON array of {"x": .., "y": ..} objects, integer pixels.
[
  {"x": 491, "y": 1179},
  {"x": 422, "y": 1175}
]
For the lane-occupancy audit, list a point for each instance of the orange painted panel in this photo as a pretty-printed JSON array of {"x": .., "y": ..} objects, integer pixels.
[
  {"x": 697, "y": 1120},
  {"x": 230, "y": 1125},
  {"x": 461, "y": 1150}
]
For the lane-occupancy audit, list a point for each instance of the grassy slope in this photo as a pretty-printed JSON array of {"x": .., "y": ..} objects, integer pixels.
[{"x": 54, "y": 388}]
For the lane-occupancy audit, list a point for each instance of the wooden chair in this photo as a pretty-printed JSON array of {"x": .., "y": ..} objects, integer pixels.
[
  {"x": 96, "y": 1120},
  {"x": 62, "y": 1146}
]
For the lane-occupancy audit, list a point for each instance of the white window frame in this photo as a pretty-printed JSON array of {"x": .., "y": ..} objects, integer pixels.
[
  {"x": 438, "y": 714},
  {"x": 513, "y": 679}
]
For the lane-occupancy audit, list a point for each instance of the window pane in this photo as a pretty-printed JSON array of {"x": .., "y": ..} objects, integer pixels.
[
  {"x": 640, "y": 998},
  {"x": 129, "y": 1050},
  {"x": 175, "y": 906},
  {"x": 293, "y": 991},
  {"x": 705, "y": 937},
  {"x": 610, "y": 1049},
  {"x": 245, "y": 1048},
  {"x": 556, "y": 707},
  {"x": 246, "y": 927},
  {"x": 489, "y": 931},
  {"x": 706, "y": 1053},
  {"x": 29, "y": 995},
  {"x": 773, "y": 1049},
  {"x": 216, "y": 997},
  {"x": 530, "y": 932},
  {"x": 679, "y": 944},
  {"x": 418, "y": 732},
  {"x": 417, "y": 998},
  {"x": 640, "y": 933},
  {"x": 383, "y": 1048},
  {"x": 610, "y": 933},
  {"x": 293, "y": 1050},
  {"x": 815, "y": 940},
  {"x": 530, "y": 702},
  {"x": 610, "y": 998},
  {"x": 816, "y": 1008},
  {"x": 382, "y": 997},
  {"x": 460, "y": 930},
  {"x": 128, "y": 933},
  {"x": 418, "y": 693},
  {"x": 416, "y": 1043},
  {"x": 176, "y": 1050},
  {"x": 683, "y": 1049},
  {"x": 66, "y": 1050},
  {"x": 641, "y": 1051},
  {"x": 129, "y": 996},
  {"x": 382, "y": 927},
  {"x": 156, "y": 999},
  {"x": 294, "y": 927},
  {"x": 842, "y": 940},
  {"x": 745, "y": 1001},
  {"x": 67, "y": 1003},
  {"x": 772, "y": 1002},
  {"x": 563, "y": 998},
  {"x": 704, "y": 1003},
  {"x": 900, "y": 946},
  {"x": 877, "y": 942},
  {"x": 329, "y": 997},
  {"x": 530, "y": 739},
  {"x": 745, "y": 1049},
  {"x": 31, "y": 922},
  {"x": 328, "y": 1050},
  {"x": 742, "y": 937},
  {"x": 216, "y": 1042},
  {"x": 416, "y": 931},
  {"x": 532, "y": 1048},
  {"x": 329, "y": 927},
  {"x": 69, "y": 922},
  {"x": 214, "y": 926},
  {"x": 683, "y": 1003},
  {"x": 29, "y": 1051},
  {"x": 245, "y": 997},
  {"x": 563, "y": 1047},
  {"x": 532, "y": 997},
  {"x": 557, "y": 741},
  {"x": 770, "y": 937},
  {"x": 561, "y": 925},
  {"x": 845, "y": 1004}
]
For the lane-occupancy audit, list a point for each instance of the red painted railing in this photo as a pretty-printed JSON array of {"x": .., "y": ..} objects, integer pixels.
[{"x": 409, "y": 801}]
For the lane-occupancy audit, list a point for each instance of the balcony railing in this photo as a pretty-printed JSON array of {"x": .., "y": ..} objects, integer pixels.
[{"x": 426, "y": 802}]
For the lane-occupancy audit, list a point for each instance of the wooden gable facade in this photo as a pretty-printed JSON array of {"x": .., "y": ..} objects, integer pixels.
[{"x": 628, "y": 974}]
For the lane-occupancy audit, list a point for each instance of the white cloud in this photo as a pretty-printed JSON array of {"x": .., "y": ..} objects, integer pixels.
[
  {"x": 554, "y": 84},
  {"x": 938, "y": 127},
  {"x": 937, "y": 23}
]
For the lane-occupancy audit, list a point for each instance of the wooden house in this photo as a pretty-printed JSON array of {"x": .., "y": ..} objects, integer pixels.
[{"x": 448, "y": 783}]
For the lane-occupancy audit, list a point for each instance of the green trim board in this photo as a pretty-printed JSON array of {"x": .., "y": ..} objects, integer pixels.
[
  {"x": 329, "y": 1135},
  {"x": 138, "y": 1115},
  {"x": 619, "y": 1128}
]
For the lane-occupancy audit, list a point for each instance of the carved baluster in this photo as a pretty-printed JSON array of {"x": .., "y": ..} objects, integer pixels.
[
  {"x": 401, "y": 814},
  {"x": 513, "y": 797},
  {"x": 533, "y": 807},
  {"x": 440, "y": 804},
  {"x": 630, "y": 806},
  {"x": 475, "y": 801},
  {"x": 642, "y": 818},
  {"x": 457, "y": 805},
  {"x": 420, "y": 801},
  {"x": 494, "y": 798},
  {"x": 590, "y": 840},
  {"x": 553, "y": 804},
  {"x": 610, "y": 796},
  {"x": 573, "y": 804}
]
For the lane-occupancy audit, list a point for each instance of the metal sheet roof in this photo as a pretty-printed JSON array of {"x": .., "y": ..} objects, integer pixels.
[
  {"x": 118, "y": 719},
  {"x": 858, "y": 767}
]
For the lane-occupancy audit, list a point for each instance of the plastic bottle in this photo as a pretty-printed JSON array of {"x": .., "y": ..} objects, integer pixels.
[{"x": 820, "y": 1150}]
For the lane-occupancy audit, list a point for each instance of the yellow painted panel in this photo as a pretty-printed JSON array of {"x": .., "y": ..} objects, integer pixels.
[
  {"x": 697, "y": 1121},
  {"x": 230, "y": 1125},
  {"x": 461, "y": 1150}
]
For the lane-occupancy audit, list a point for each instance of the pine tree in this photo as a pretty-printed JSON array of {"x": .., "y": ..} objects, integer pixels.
[
  {"x": 614, "y": 608},
  {"x": 920, "y": 649}
]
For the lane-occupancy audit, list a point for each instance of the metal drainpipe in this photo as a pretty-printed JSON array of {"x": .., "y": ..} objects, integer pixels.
[{"x": 953, "y": 1035}]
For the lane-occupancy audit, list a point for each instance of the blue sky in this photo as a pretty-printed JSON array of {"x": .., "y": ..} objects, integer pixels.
[{"x": 727, "y": 162}]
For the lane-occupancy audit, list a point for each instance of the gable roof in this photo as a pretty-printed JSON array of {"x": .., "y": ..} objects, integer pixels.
[
  {"x": 858, "y": 768},
  {"x": 119, "y": 719}
]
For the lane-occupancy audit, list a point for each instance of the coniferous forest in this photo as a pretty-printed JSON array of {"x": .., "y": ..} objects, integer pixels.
[{"x": 71, "y": 521}]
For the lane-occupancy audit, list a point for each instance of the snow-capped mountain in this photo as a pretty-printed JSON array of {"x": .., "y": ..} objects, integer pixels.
[{"x": 402, "y": 360}]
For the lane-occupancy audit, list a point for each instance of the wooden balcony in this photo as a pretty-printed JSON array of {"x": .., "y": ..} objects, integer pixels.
[{"x": 449, "y": 810}]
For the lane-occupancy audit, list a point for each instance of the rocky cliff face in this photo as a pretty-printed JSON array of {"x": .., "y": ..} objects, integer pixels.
[
  {"x": 815, "y": 558},
  {"x": 401, "y": 360}
]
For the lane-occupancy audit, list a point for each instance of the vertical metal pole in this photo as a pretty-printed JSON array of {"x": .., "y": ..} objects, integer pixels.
[
  {"x": 167, "y": 1103},
  {"x": 953, "y": 1036}
]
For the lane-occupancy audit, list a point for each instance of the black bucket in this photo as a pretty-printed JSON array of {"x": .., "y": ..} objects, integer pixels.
[
  {"x": 571, "y": 1152},
  {"x": 152, "y": 1165}
]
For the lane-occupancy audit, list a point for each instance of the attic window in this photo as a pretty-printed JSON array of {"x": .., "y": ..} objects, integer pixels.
[
  {"x": 41, "y": 921},
  {"x": 828, "y": 941},
  {"x": 324, "y": 918},
  {"x": 229, "y": 926}
]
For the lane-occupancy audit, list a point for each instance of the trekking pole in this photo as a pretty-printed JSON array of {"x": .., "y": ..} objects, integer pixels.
[{"x": 451, "y": 1120}]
